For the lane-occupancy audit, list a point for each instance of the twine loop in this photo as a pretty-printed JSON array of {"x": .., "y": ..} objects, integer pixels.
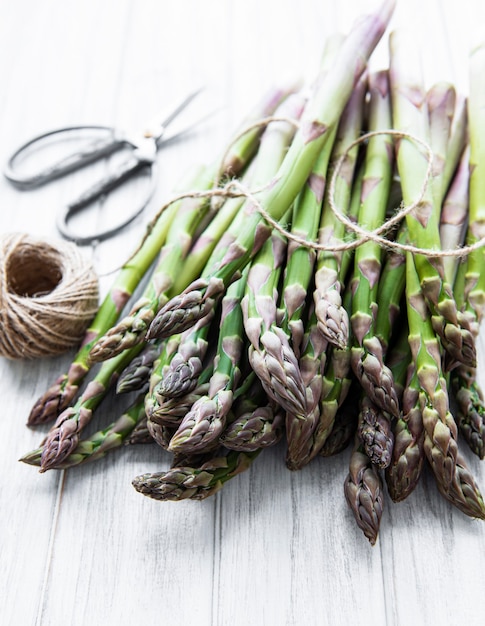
[
  {"x": 235, "y": 188},
  {"x": 48, "y": 296}
]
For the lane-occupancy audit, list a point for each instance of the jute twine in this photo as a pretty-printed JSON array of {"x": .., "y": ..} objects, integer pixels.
[
  {"x": 234, "y": 188},
  {"x": 48, "y": 296}
]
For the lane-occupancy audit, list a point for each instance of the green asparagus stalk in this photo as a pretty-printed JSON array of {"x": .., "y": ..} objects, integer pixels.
[
  {"x": 336, "y": 382},
  {"x": 440, "y": 443},
  {"x": 470, "y": 408},
  {"x": 332, "y": 316},
  {"x": 63, "y": 437},
  {"x": 454, "y": 216},
  {"x": 297, "y": 277},
  {"x": 305, "y": 222},
  {"x": 132, "y": 329},
  {"x": 320, "y": 116},
  {"x": 458, "y": 140},
  {"x": 366, "y": 354},
  {"x": 469, "y": 401},
  {"x": 390, "y": 291},
  {"x": 344, "y": 426},
  {"x": 181, "y": 374},
  {"x": 407, "y": 462},
  {"x": 300, "y": 430},
  {"x": 60, "y": 395},
  {"x": 100, "y": 443},
  {"x": 206, "y": 420},
  {"x": 475, "y": 276},
  {"x": 300, "y": 259},
  {"x": 255, "y": 422},
  {"x": 337, "y": 375},
  {"x": 440, "y": 100},
  {"x": 375, "y": 432},
  {"x": 242, "y": 150},
  {"x": 408, "y": 457},
  {"x": 363, "y": 491},
  {"x": 140, "y": 434},
  {"x": 270, "y": 353},
  {"x": 410, "y": 115},
  {"x": 464, "y": 493},
  {"x": 195, "y": 483},
  {"x": 137, "y": 373}
]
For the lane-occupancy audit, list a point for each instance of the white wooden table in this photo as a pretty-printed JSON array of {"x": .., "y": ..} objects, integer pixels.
[{"x": 81, "y": 546}]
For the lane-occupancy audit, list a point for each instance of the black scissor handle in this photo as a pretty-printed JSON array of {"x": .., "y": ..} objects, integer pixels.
[
  {"x": 93, "y": 151},
  {"x": 102, "y": 187}
]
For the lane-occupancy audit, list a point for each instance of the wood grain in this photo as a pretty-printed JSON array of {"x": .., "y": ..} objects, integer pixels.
[{"x": 274, "y": 547}]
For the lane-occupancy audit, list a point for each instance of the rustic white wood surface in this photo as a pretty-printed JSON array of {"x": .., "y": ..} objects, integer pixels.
[{"x": 81, "y": 546}]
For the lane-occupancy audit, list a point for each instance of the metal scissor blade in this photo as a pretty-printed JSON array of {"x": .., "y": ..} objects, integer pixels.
[
  {"x": 173, "y": 134},
  {"x": 156, "y": 129}
]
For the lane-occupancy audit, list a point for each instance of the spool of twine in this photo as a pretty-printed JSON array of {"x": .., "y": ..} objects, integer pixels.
[{"x": 48, "y": 296}]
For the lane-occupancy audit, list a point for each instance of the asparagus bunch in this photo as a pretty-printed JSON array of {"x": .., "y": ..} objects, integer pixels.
[
  {"x": 367, "y": 355},
  {"x": 288, "y": 308}
]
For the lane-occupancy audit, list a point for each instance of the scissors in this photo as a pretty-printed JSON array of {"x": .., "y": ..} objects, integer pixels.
[{"x": 143, "y": 145}]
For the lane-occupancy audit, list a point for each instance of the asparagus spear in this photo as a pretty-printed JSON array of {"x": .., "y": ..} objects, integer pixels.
[
  {"x": 300, "y": 259},
  {"x": 255, "y": 422},
  {"x": 344, "y": 426},
  {"x": 475, "y": 278},
  {"x": 390, "y": 291},
  {"x": 301, "y": 429},
  {"x": 171, "y": 411},
  {"x": 320, "y": 116},
  {"x": 100, "y": 443},
  {"x": 297, "y": 276},
  {"x": 332, "y": 316},
  {"x": 470, "y": 415},
  {"x": 336, "y": 383},
  {"x": 440, "y": 443},
  {"x": 440, "y": 100},
  {"x": 63, "y": 437},
  {"x": 205, "y": 421},
  {"x": 407, "y": 461},
  {"x": 454, "y": 216},
  {"x": 242, "y": 150},
  {"x": 140, "y": 434},
  {"x": 375, "y": 432},
  {"x": 181, "y": 374},
  {"x": 469, "y": 402},
  {"x": 270, "y": 353},
  {"x": 305, "y": 222},
  {"x": 136, "y": 374},
  {"x": 463, "y": 491},
  {"x": 457, "y": 141},
  {"x": 410, "y": 115},
  {"x": 367, "y": 355},
  {"x": 364, "y": 493},
  {"x": 59, "y": 396},
  {"x": 196, "y": 483}
]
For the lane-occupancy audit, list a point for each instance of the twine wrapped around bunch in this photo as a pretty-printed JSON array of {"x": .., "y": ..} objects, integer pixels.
[
  {"x": 48, "y": 296},
  {"x": 234, "y": 189}
]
